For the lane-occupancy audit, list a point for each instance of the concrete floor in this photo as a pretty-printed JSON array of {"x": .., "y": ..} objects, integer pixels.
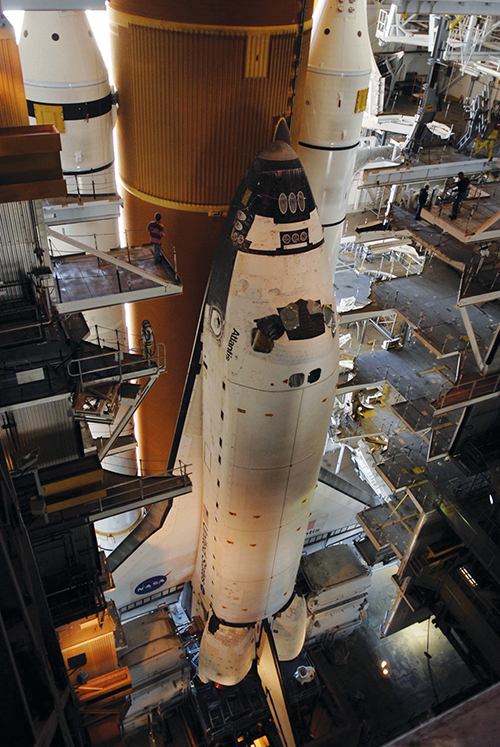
[
  {"x": 475, "y": 720},
  {"x": 417, "y": 687}
]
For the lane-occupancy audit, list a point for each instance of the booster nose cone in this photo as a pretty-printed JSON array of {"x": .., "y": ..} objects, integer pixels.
[{"x": 336, "y": 92}]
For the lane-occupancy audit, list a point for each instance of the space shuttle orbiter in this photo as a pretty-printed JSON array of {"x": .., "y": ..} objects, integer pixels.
[
  {"x": 269, "y": 373},
  {"x": 257, "y": 421}
]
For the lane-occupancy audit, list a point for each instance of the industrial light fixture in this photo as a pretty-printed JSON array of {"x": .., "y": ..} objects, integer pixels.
[
  {"x": 261, "y": 742},
  {"x": 384, "y": 666},
  {"x": 468, "y": 577}
]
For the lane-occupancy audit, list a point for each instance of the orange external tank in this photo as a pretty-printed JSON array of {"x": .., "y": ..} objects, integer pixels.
[
  {"x": 201, "y": 87},
  {"x": 13, "y": 106}
]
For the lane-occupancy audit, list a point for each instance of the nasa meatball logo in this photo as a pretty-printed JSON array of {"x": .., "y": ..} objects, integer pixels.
[{"x": 150, "y": 585}]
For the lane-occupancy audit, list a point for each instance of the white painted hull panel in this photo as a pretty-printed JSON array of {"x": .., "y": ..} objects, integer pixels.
[{"x": 265, "y": 414}]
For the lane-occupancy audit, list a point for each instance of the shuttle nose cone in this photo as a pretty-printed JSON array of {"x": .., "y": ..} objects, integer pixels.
[
  {"x": 282, "y": 132},
  {"x": 278, "y": 151}
]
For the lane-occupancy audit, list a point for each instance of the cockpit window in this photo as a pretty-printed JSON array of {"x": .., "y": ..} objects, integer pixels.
[
  {"x": 309, "y": 324},
  {"x": 314, "y": 307},
  {"x": 300, "y": 320},
  {"x": 296, "y": 379},
  {"x": 261, "y": 343},
  {"x": 314, "y": 376},
  {"x": 289, "y": 316},
  {"x": 271, "y": 326}
]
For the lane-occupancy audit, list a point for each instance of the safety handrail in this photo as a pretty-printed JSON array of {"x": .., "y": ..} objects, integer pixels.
[
  {"x": 478, "y": 387},
  {"x": 179, "y": 471},
  {"x": 125, "y": 367}
]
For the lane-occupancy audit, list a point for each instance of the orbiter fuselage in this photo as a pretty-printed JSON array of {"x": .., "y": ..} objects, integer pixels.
[{"x": 269, "y": 374}]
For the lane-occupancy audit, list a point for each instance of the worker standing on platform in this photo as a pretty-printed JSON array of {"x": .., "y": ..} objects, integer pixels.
[
  {"x": 421, "y": 201},
  {"x": 462, "y": 187},
  {"x": 155, "y": 228}
]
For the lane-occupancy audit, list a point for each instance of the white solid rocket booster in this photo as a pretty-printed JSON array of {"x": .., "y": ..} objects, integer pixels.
[
  {"x": 336, "y": 93},
  {"x": 67, "y": 85},
  {"x": 269, "y": 374}
]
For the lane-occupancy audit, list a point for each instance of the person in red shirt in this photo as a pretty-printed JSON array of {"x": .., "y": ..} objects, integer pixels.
[{"x": 155, "y": 228}]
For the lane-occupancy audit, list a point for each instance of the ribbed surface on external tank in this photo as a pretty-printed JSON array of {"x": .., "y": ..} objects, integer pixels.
[
  {"x": 13, "y": 109},
  {"x": 210, "y": 117},
  {"x": 195, "y": 106}
]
